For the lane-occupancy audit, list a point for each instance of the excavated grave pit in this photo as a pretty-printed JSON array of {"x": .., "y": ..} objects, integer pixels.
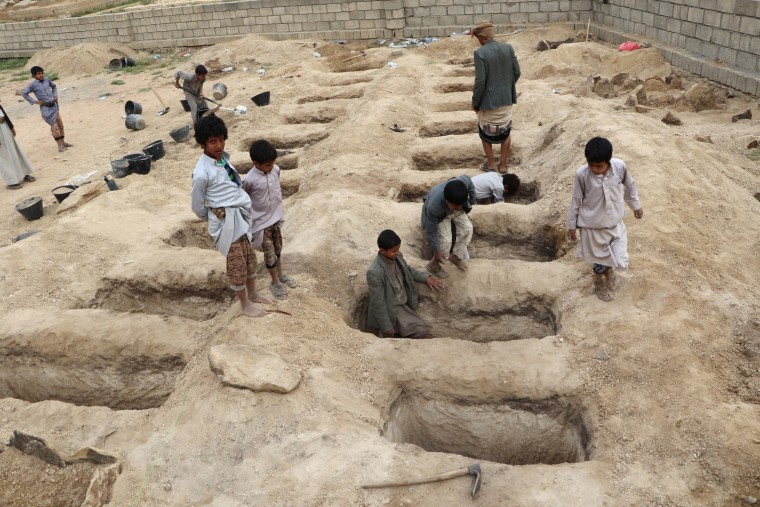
[
  {"x": 355, "y": 65},
  {"x": 414, "y": 192},
  {"x": 336, "y": 95},
  {"x": 439, "y": 129},
  {"x": 93, "y": 358},
  {"x": 456, "y": 152},
  {"x": 461, "y": 72},
  {"x": 310, "y": 116},
  {"x": 505, "y": 242},
  {"x": 531, "y": 317},
  {"x": 298, "y": 139},
  {"x": 202, "y": 301},
  {"x": 345, "y": 80},
  {"x": 192, "y": 234},
  {"x": 513, "y": 431},
  {"x": 286, "y": 162},
  {"x": 455, "y": 87}
]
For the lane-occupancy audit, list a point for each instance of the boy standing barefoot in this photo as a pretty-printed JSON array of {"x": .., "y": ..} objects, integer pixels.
[
  {"x": 216, "y": 188},
  {"x": 601, "y": 188}
]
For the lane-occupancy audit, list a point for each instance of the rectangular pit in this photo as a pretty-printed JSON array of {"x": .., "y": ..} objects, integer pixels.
[{"x": 515, "y": 431}]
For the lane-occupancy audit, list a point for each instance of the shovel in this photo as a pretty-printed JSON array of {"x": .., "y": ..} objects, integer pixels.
[
  {"x": 473, "y": 470},
  {"x": 166, "y": 108},
  {"x": 238, "y": 109}
]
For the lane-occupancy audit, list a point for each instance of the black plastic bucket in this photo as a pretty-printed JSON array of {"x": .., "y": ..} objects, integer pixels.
[
  {"x": 181, "y": 134},
  {"x": 128, "y": 62},
  {"x": 155, "y": 150},
  {"x": 62, "y": 192},
  {"x": 134, "y": 122},
  {"x": 30, "y": 208},
  {"x": 132, "y": 108},
  {"x": 115, "y": 64},
  {"x": 262, "y": 99},
  {"x": 185, "y": 105},
  {"x": 138, "y": 162}
]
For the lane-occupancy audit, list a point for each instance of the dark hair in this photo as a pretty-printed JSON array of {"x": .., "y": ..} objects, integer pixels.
[
  {"x": 455, "y": 192},
  {"x": 512, "y": 182},
  {"x": 598, "y": 149},
  {"x": 201, "y": 70},
  {"x": 387, "y": 240},
  {"x": 36, "y": 69},
  {"x": 262, "y": 151},
  {"x": 209, "y": 126}
]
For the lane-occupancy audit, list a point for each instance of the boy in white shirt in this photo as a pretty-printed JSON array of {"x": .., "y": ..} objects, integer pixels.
[
  {"x": 601, "y": 188},
  {"x": 491, "y": 186}
]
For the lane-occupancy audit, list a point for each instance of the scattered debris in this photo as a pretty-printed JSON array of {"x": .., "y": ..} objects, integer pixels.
[
  {"x": 396, "y": 128},
  {"x": 227, "y": 69},
  {"x": 316, "y": 54},
  {"x": 629, "y": 46},
  {"x": 671, "y": 119},
  {"x": 392, "y": 65},
  {"x": 545, "y": 45},
  {"x": 37, "y": 447},
  {"x": 24, "y": 236},
  {"x": 93, "y": 456},
  {"x": 703, "y": 139},
  {"x": 746, "y": 115}
]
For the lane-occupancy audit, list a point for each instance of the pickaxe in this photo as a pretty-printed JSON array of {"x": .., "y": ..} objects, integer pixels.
[
  {"x": 238, "y": 109},
  {"x": 473, "y": 470}
]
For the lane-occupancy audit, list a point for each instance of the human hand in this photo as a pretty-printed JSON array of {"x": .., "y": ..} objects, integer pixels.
[
  {"x": 638, "y": 213},
  {"x": 441, "y": 257},
  {"x": 176, "y": 84},
  {"x": 13, "y": 131},
  {"x": 475, "y": 109},
  {"x": 434, "y": 283},
  {"x": 55, "y": 99},
  {"x": 571, "y": 234},
  {"x": 40, "y": 102}
]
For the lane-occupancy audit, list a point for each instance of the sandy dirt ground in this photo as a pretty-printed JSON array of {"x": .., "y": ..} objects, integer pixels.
[{"x": 108, "y": 312}]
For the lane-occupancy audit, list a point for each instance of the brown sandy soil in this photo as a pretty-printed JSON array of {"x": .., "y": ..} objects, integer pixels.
[{"x": 565, "y": 400}]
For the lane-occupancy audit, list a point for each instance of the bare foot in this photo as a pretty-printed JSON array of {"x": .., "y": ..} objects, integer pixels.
[
  {"x": 252, "y": 310},
  {"x": 260, "y": 298}
]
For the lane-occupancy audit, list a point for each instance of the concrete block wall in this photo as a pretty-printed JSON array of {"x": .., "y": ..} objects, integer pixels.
[
  {"x": 439, "y": 18},
  {"x": 718, "y": 39},
  {"x": 720, "y": 31},
  {"x": 211, "y": 23}
]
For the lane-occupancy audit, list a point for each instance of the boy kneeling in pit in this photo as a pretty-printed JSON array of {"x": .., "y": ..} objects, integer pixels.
[
  {"x": 393, "y": 296},
  {"x": 217, "y": 188}
]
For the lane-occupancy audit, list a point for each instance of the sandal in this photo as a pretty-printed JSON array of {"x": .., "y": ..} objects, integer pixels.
[
  {"x": 601, "y": 289},
  {"x": 484, "y": 167},
  {"x": 279, "y": 291},
  {"x": 15, "y": 186},
  {"x": 287, "y": 280},
  {"x": 29, "y": 178},
  {"x": 438, "y": 273},
  {"x": 461, "y": 264}
]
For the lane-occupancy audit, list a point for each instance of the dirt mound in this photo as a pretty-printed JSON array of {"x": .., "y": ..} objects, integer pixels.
[{"x": 86, "y": 58}]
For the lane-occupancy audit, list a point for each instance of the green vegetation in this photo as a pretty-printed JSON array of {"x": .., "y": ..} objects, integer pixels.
[
  {"x": 139, "y": 66},
  {"x": 117, "y": 82},
  {"x": 12, "y": 63},
  {"x": 754, "y": 154},
  {"x": 20, "y": 78},
  {"x": 53, "y": 76},
  {"x": 143, "y": 90},
  {"x": 110, "y": 5}
]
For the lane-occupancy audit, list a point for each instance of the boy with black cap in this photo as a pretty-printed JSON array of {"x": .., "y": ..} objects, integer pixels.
[{"x": 446, "y": 225}]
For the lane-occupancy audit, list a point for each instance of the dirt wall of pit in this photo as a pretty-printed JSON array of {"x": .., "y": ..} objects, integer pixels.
[{"x": 716, "y": 39}]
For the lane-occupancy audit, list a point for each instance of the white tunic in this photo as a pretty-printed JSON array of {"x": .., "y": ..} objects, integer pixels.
[{"x": 13, "y": 163}]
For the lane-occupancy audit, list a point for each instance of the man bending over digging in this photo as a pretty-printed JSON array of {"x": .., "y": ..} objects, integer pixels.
[{"x": 217, "y": 188}]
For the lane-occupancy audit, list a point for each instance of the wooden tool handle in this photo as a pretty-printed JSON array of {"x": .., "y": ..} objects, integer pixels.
[{"x": 156, "y": 94}]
